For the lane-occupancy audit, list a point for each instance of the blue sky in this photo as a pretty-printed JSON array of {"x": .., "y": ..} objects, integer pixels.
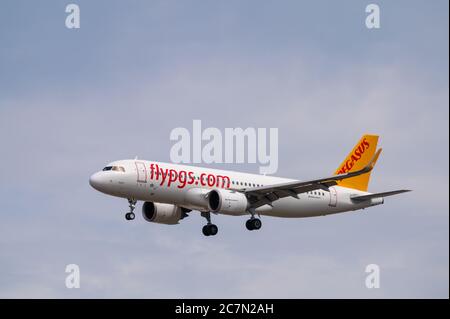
[{"x": 73, "y": 100}]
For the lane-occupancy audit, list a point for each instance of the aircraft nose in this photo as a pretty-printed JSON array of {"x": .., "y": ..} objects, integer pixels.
[{"x": 96, "y": 181}]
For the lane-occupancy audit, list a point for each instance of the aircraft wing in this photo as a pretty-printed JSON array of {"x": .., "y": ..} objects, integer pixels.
[{"x": 259, "y": 196}]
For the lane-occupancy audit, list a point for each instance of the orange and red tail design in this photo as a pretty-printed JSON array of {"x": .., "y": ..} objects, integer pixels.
[{"x": 357, "y": 159}]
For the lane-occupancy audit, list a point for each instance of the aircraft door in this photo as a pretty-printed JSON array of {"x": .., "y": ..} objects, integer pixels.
[{"x": 141, "y": 172}]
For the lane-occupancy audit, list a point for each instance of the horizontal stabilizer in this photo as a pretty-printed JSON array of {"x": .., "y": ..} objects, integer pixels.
[{"x": 378, "y": 195}]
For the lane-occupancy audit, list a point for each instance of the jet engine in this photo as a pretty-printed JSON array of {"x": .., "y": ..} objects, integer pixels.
[
  {"x": 162, "y": 213},
  {"x": 227, "y": 202}
]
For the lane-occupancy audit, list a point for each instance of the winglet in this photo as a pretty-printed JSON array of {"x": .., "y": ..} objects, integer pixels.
[
  {"x": 367, "y": 168},
  {"x": 374, "y": 159}
]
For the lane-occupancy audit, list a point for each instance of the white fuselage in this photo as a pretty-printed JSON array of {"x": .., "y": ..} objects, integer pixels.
[{"x": 186, "y": 186}]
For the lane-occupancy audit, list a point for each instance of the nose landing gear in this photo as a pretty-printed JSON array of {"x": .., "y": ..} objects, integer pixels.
[{"x": 132, "y": 204}]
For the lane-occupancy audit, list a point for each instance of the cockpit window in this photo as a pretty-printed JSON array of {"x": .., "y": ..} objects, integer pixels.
[{"x": 114, "y": 168}]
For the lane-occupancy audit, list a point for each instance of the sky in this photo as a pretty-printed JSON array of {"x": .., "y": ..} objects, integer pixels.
[{"x": 73, "y": 100}]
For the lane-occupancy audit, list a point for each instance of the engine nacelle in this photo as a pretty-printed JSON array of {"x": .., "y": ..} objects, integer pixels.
[
  {"x": 227, "y": 202},
  {"x": 162, "y": 213}
]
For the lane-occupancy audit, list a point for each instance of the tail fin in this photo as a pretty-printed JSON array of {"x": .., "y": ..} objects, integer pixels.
[{"x": 357, "y": 159}]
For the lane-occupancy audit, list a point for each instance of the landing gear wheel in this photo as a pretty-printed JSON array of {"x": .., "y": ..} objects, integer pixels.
[
  {"x": 129, "y": 216},
  {"x": 256, "y": 223},
  {"x": 213, "y": 229},
  {"x": 205, "y": 230},
  {"x": 253, "y": 224},
  {"x": 210, "y": 230}
]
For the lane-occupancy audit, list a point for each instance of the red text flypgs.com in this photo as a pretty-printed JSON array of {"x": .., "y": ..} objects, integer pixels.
[{"x": 184, "y": 178}]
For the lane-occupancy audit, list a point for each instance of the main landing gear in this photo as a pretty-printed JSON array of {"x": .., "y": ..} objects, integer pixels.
[
  {"x": 253, "y": 223},
  {"x": 132, "y": 204},
  {"x": 209, "y": 229}
]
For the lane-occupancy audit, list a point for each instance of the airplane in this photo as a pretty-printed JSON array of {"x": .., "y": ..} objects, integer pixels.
[{"x": 171, "y": 191}]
